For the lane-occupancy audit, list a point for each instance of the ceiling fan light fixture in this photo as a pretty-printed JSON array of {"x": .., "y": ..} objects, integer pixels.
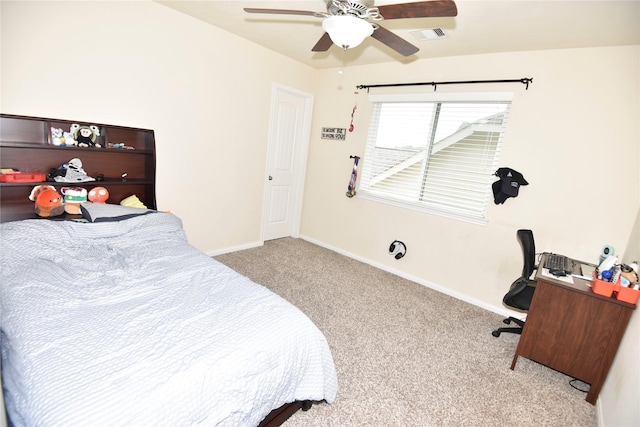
[{"x": 347, "y": 31}]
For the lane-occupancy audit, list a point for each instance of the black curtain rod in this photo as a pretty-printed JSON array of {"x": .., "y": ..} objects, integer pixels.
[{"x": 524, "y": 81}]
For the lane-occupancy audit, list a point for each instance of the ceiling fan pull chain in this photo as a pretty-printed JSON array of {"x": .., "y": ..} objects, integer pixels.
[{"x": 341, "y": 70}]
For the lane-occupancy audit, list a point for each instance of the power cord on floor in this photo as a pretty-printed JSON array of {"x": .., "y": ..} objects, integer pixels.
[{"x": 580, "y": 387}]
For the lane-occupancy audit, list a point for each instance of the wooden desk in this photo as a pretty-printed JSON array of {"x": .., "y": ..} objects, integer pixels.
[{"x": 572, "y": 330}]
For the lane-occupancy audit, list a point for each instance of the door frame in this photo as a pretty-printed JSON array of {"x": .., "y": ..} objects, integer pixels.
[{"x": 300, "y": 158}]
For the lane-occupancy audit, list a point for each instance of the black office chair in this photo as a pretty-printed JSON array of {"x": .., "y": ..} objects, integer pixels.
[{"x": 521, "y": 291}]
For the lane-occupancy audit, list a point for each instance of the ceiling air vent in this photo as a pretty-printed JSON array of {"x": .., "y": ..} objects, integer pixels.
[{"x": 428, "y": 34}]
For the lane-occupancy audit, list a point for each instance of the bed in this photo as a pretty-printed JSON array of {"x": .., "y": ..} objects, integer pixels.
[
  {"x": 111, "y": 317},
  {"x": 115, "y": 319}
]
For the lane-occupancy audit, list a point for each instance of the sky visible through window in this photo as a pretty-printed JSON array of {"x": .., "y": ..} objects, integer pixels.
[{"x": 407, "y": 124}]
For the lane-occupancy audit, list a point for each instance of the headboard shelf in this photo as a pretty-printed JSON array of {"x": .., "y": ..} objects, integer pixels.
[
  {"x": 40, "y": 146},
  {"x": 27, "y": 144}
]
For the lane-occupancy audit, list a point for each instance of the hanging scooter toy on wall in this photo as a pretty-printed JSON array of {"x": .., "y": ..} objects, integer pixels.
[{"x": 351, "y": 189}]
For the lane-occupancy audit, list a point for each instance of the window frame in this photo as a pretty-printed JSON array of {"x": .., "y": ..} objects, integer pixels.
[{"x": 431, "y": 207}]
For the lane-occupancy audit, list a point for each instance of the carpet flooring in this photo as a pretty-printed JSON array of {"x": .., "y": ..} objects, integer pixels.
[{"x": 407, "y": 355}]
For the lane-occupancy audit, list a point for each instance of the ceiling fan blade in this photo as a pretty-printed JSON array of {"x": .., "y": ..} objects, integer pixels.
[
  {"x": 286, "y": 12},
  {"x": 395, "y": 42},
  {"x": 323, "y": 44},
  {"x": 421, "y": 9}
]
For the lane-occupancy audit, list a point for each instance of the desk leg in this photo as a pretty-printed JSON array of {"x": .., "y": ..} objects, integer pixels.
[
  {"x": 515, "y": 359},
  {"x": 594, "y": 389}
]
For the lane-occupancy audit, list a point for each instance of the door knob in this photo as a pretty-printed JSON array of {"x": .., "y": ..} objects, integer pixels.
[{"x": 270, "y": 178}]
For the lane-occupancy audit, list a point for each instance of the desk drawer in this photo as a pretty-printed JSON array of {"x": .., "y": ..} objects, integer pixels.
[{"x": 573, "y": 332}]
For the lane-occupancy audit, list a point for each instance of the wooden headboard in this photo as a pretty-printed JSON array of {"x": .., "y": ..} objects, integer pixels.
[{"x": 126, "y": 158}]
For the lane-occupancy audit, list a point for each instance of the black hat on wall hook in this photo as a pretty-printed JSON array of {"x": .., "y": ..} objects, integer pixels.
[{"x": 508, "y": 185}]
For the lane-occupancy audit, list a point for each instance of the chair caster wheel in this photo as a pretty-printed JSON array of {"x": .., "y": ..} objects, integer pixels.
[
  {"x": 506, "y": 321},
  {"x": 495, "y": 333}
]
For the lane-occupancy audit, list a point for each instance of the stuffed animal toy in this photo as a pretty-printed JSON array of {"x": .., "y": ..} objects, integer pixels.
[
  {"x": 133, "y": 202},
  {"x": 73, "y": 197},
  {"x": 57, "y": 137},
  {"x": 98, "y": 195},
  {"x": 48, "y": 201},
  {"x": 85, "y": 136},
  {"x": 68, "y": 139}
]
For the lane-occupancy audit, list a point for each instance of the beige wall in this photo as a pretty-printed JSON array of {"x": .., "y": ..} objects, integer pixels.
[
  {"x": 624, "y": 378},
  {"x": 207, "y": 95},
  {"x": 574, "y": 134}
]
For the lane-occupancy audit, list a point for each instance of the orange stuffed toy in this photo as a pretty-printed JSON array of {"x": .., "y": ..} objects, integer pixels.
[
  {"x": 48, "y": 201},
  {"x": 98, "y": 195}
]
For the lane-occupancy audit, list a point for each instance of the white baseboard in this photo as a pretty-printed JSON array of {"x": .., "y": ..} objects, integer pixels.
[
  {"x": 234, "y": 249},
  {"x": 495, "y": 309},
  {"x": 499, "y": 310},
  {"x": 599, "y": 416}
]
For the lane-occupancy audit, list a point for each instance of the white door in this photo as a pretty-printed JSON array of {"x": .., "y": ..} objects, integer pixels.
[{"x": 287, "y": 154}]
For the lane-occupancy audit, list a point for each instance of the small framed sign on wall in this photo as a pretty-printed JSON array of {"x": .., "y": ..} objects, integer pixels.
[{"x": 338, "y": 134}]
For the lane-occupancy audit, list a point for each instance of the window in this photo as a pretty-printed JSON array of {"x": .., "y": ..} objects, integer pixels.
[{"x": 435, "y": 152}]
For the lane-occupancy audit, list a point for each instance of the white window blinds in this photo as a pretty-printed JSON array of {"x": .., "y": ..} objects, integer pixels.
[{"x": 435, "y": 153}]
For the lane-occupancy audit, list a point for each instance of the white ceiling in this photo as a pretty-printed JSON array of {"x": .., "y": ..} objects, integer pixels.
[{"x": 480, "y": 27}]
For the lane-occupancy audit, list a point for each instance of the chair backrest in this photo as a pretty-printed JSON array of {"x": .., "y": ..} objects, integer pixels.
[
  {"x": 520, "y": 293},
  {"x": 525, "y": 237}
]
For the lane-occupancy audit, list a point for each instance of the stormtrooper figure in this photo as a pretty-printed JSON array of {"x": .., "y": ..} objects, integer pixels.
[{"x": 71, "y": 172}]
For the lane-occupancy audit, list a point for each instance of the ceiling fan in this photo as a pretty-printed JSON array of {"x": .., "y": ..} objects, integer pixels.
[{"x": 346, "y": 22}]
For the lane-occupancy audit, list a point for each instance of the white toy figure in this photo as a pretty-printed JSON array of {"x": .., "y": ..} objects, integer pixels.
[{"x": 57, "y": 137}]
